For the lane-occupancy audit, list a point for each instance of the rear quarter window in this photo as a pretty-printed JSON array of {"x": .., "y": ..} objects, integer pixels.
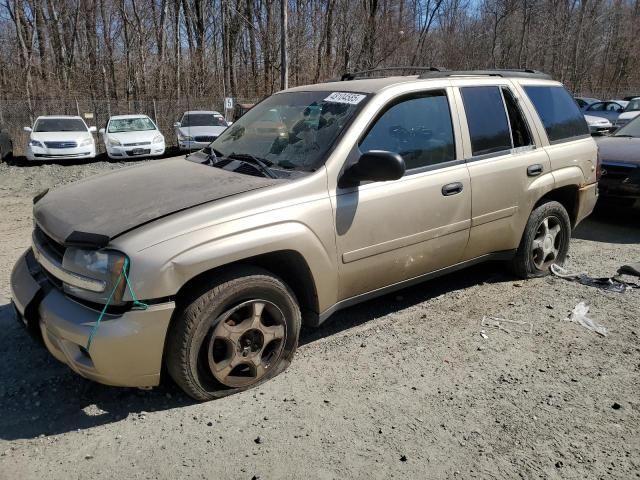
[
  {"x": 558, "y": 112},
  {"x": 487, "y": 120}
]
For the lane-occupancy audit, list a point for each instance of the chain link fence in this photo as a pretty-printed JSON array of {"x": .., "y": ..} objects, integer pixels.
[{"x": 17, "y": 114}]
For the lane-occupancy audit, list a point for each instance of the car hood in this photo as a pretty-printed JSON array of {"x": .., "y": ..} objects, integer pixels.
[
  {"x": 629, "y": 115},
  {"x": 134, "y": 137},
  {"x": 619, "y": 149},
  {"x": 594, "y": 120},
  {"x": 201, "y": 131},
  {"x": 95, "y": 210},
  {"x": 60, "y": 136}
]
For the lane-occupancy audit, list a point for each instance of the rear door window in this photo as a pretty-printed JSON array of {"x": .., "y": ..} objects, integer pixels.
[
  {"x": 558, "y": 112},
  {"x": 487, "y": 120}
]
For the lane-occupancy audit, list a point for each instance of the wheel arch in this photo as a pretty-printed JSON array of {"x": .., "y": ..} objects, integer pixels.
[
  {"x": 567, "y": 196},
  {"x": 289, "y": 265}
]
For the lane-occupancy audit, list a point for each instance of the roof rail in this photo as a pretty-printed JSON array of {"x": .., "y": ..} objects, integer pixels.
[
  {"x": 367, "y": 73},
  {"x": 505, "y": 72}
]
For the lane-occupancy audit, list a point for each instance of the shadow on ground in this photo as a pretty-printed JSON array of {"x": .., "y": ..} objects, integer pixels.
[
  {"x": 21, "y": 161},
  {"x": 40, "y": 396},
  {"x": 610, "y": 226}
]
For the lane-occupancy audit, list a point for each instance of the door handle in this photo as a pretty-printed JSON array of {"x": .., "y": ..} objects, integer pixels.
[
  {"x": 534, "y": 170},
  {"x": 451, "y": 189}
]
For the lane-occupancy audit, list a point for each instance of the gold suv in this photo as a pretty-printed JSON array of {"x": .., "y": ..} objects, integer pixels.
[{"x": 210, "y": 264}]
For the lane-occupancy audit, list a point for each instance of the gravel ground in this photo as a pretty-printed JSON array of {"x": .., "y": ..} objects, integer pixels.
[{"x": 404, "y": 386}]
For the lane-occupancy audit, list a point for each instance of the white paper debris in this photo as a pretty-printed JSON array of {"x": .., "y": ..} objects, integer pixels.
[
  {"x": 579, "y": 316},
  {"x": 345, "y": 97}
]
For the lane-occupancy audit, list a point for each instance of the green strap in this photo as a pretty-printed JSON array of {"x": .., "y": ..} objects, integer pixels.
[{"x": 137, "y": 305}]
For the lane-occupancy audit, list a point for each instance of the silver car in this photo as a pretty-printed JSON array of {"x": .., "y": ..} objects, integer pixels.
[
  {"x": 199, "y": 128},
  {"x": 609, "y": 110},
  {"x": 318, "y": 198}
]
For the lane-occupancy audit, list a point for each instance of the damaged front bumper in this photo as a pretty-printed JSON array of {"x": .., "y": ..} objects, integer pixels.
[
  {"x": 620, "y": 184},
  {"x": 126, "y": 349}
]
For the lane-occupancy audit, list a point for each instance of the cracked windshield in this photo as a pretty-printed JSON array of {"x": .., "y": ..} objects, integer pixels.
[{"x": 291, "y": 130}]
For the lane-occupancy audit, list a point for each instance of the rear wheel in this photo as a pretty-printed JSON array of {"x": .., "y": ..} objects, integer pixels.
[
  {"x": 239, "y": 332},
  {"x": 545, "y": 241}
]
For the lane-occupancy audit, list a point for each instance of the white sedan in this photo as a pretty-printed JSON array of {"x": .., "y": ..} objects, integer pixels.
[
  {"x": 598, "y": 124},
  {"x": 60, "y": 138},
  {"x": 198, "y": 128},
  {"x": 129, "y": 136}
]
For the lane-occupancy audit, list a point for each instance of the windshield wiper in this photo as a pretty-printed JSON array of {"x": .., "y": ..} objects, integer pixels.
[
  {"x": 213, "y": 156},
  {"x": 248, "y": 158},
  {"x": 624, "y": 136}
]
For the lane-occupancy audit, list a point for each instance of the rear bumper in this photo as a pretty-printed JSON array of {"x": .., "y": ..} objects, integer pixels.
[
  {"x": 126, "y": 349},
  {"x": 587, "y": 198}
]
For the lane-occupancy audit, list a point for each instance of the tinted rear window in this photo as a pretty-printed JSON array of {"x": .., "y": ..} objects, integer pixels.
[
  {"x": 559, "y": 113},
  {"x": 487, "y": 120}
]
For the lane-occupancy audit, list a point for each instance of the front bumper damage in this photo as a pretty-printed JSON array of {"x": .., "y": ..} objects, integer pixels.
[
  {"x": 620, "y": 183},
  {"x": 127, "y": 348}
]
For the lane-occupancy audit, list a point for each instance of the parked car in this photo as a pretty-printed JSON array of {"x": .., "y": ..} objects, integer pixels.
[
  {"x": 132, "y": 136},
  {"x": 630, "y": 112},
  {"x": 6, "y": 144},
  {"x": 210, "y": 264},
  {"x": 623, "y": 102},
  {"x": 60, "y": 138},
  {"x": 620, "y": 174},
  {"x": 598, "y": 124},
  {"x": 197, "y": 129},
  {"x": 608, "y": 110},
  {"x": 584, "y": 102}
]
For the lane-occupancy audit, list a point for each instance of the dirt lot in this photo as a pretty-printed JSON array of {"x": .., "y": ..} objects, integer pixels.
[{"x": 403, "y": 386}]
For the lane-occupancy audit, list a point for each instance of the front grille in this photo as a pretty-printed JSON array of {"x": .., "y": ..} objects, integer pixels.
[
  {"x": 63, "y": 155},
  {"x": 61, "y": 144},
  {"x": 137, "y": 144},
  {"x": 48, "y": 244},
  {"x": 205, "y": 138},
  {"x": 141, "y": 152}
]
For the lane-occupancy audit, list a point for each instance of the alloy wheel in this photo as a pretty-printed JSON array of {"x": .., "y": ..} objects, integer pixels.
[
  {"x": 547, "y": 243},
  {"x": 245, "y": 342}
]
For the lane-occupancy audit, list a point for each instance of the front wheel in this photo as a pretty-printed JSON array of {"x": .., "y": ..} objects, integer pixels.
[
  {"x": 545, "y": 241},
  {"x": 239, "y": 332}
]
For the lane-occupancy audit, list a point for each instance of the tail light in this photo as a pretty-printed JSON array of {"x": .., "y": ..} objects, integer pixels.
[{"x": 598, "y": 166}]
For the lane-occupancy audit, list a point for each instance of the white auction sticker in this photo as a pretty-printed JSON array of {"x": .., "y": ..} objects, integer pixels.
[{"x": 344, "y": 97}]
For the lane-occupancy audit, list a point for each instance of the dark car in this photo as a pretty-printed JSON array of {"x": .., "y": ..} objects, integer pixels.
[{"x": 620, "y": 174}]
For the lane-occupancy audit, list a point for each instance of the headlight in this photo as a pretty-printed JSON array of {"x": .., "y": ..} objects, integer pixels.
[
  {"x": 186, "y": 138},
  {"x": 158, "y": 139},
  {"x": 114, "y": 143},
  {"x": 35, "y": 143},
  {"x": 101, "y": 265},
  {"x": 86, "y": 142}
]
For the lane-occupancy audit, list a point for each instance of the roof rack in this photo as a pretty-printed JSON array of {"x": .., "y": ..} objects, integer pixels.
[
  {"x": 505, "y": 72},
  {"x": 368, "y": 73}
]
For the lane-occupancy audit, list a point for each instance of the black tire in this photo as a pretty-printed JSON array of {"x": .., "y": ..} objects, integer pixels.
[
  {"x": 524, "y": 263},
  {"x": 198, "y": 319}
]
